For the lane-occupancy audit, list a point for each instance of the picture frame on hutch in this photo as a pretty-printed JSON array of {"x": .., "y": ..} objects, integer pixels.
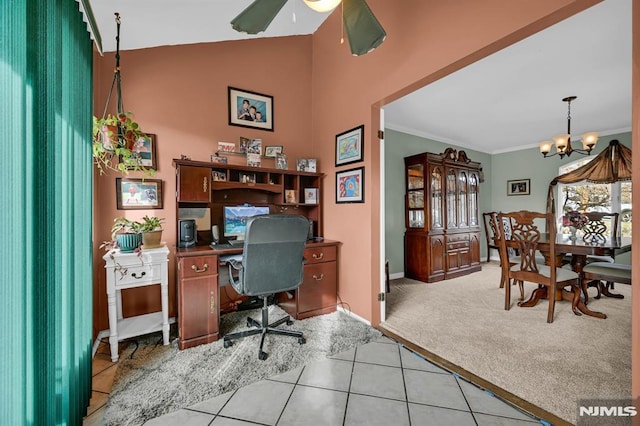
[
  {"x": 349, "y": 146},
  {"x": 138, "y": 194},
  {"x": 250, "y": 109},
  {"x": 350, "y": 186},
  {"x": 519, "y": 187}
]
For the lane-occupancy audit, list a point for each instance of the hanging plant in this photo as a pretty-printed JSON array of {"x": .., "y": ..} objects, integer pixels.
[
  {"x": 115, "y": 137},
  {"x": 114, "y": 142}
]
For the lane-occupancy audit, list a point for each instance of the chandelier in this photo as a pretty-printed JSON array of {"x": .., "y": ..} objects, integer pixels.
[{"x": 563, "y": 141}]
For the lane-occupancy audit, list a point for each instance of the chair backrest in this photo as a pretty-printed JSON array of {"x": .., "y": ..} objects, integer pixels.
[
  {"x": 526, "y": 233},
  {"x": 599, "y": 223},
  {"x": 273, "y": 254},
  {"x": 490, "y": 230}
]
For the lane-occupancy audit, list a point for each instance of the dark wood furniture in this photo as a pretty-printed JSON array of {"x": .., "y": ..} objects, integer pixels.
[
  {"x": 525, "y": 237},
  {"x": 442, "y": 237},
  {"x": 597, "y": 272},
  {"x": 199, "y": 289},
  {"x": 490, "y": 232},
  {"x": 579, "y": 249},
  {"x": 212, "y": 186}
]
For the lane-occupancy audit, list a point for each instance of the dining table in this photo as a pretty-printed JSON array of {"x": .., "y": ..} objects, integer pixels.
[{"x": 579, "y": 248}]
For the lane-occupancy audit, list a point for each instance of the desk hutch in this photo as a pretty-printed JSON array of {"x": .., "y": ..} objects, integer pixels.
[
  {"x": 442, "y": 237},
  {"x": 214, "y": 185}
]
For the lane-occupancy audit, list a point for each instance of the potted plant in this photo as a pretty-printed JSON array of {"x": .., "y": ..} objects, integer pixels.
[
  {"x": 151, "y": 229},
  {"x": 114, "y": 139},
  {"x": 126, "y": 234}
]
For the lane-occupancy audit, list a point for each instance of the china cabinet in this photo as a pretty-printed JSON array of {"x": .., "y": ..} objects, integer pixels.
[{"x": 442, "y": 237}]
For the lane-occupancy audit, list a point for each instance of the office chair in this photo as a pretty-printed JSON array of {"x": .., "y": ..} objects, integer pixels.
[{"x": 271, "y": 263}]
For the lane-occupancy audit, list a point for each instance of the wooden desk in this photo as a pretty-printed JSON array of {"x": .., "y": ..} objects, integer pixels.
[
  {"x": 199, "y": 293},
  {"x": 579, "y": 251}
]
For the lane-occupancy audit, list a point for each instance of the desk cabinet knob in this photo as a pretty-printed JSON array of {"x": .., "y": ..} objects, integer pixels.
[{"x": 204, "y": 268}]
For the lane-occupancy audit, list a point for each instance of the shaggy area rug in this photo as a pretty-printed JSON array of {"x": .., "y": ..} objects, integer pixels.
[{"x": 153, "y": 379}]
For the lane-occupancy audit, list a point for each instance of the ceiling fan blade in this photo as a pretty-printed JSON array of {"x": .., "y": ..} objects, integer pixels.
[
  {"x": 363, "y": 29},
  {"x": 257, "y": 16}
]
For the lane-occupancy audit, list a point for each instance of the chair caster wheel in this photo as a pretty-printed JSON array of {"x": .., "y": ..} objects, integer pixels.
[
  {"x": 289, "y": 321},
  {"x": 302, "y": 340},
  {"x": 262, "y": 356},
  {"x": 249, "y": 323},
  {"x": 227, "y": 343}
]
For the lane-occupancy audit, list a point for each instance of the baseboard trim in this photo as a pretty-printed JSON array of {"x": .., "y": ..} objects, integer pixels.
[
  {"x": 396, "y": 275},
  {"x": 352, "y": 315}
]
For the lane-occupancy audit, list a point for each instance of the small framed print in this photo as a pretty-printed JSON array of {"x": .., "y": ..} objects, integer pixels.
[
  {"x": 226, "y": 146},
  {"x": 350, "y": 186},
  {"x": 254, "y": 146},
  {"x": 145, "y": 150},
  {"x": 290, "y": 196},
  {"x": 219, "y": 176},
  {"x": 250, "y": 109},
  {"x": 519, "y": 187},
  {"x": 215, "y": 158},
  {"x": 244, "y": 143},
  {"x": 281, "y": 161},
  {"x": 272, "y": 151},
  {"x": 349, "y": 147},
  {"x": 306, "y": 165},
  {"x": 311, "y": 195},
  {"x": 138, "y": 194}
]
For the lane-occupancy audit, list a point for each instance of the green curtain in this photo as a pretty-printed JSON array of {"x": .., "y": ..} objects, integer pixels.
[{"x": 45, "y": 212}]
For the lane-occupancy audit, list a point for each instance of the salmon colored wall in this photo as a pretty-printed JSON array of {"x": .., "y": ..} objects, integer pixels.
[
  {"x": 635, "y": 142},
  {"x": 180, "y": 94},
  {"x": 426, "y": 40}
]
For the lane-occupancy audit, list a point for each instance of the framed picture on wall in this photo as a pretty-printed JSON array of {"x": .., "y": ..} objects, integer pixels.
[
  {"x": 138, "y": 194},
  {"x": 144, "y": 149},
  {"x": 349, "y": 147},
  {"x": 350, "y": 186},
  {"x": 250, "y": 109},
  {"x": 519, "y": 187}
]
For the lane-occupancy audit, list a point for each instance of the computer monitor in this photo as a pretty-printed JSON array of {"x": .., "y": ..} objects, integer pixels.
[{"x": 236, "y": 217}]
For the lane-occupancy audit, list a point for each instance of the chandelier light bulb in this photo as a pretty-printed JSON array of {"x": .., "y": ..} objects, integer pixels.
[
  {"x": 562, "y": 141},
  {"x": 322, "y": 5},
  {"x": 589, "y": 140},
  {"x": 545, "y": 147}
]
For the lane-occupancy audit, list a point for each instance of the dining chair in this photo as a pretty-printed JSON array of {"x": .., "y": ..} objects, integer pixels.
[
  {"x": 526, "y": 233},
  {"x": 596, "y": 230},
  {"x": 491, "y": 233}
]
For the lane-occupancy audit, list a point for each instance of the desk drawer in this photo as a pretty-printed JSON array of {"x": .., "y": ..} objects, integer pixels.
[
  {"x": 197, "y": 266},
  {"x": 320, "y": 254},
  {"x": 137, "y": 275}
]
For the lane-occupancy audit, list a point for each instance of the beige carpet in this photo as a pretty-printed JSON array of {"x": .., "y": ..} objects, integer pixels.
[{"x": 550, "y": 365}]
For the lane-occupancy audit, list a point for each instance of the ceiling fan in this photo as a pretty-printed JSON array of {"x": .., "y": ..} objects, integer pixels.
[{"x": 363, "y": 29}]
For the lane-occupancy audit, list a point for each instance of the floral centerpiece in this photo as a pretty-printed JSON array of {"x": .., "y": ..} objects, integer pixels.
[{"x": 575, "y": 219}]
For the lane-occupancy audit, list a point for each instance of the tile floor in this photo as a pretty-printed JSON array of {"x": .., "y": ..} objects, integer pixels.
[{"x": 379, "y": 383}]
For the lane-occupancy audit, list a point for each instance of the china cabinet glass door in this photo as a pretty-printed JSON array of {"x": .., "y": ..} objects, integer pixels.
[
  {"x": 415, "y": 196},
  {"x": 462, "y": 198},
  {"x": 473, "y": 199},
  {"x": 452, "y": 221},
  {"x": 436, "y": 198}
]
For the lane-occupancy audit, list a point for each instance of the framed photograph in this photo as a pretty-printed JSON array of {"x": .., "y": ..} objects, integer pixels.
[
  {"x": 244, "y": 143},
  {"x": 138, "y": 194},
  {"x": 306, "y": 165},
  {"x": 250, "y": 109},
  {"x": 290, "y": 196},
  {"x": 145, "y": 149},
  {"x": 519, "y": 187},
  {"x": 272, "y": 151},
  {"x": 311, "y": 195},
  {"x": 254, "y": 146},
  {"x": 350, "y": 186},
  {"x": 215, "y": 158},
  {"x": 226, "y": 147},
  {"x": 349, "y": 147},
  {"x": 219, "y": 176},
  {"x": 253, "y": 160},
  {"x": 281, "y": 161}
]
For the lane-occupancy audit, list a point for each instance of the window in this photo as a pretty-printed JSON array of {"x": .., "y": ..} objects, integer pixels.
[{"x": 590, "y": 197}]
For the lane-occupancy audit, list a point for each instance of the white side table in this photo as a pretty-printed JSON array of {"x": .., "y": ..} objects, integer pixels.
[{"x": 129, "y": 270}]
